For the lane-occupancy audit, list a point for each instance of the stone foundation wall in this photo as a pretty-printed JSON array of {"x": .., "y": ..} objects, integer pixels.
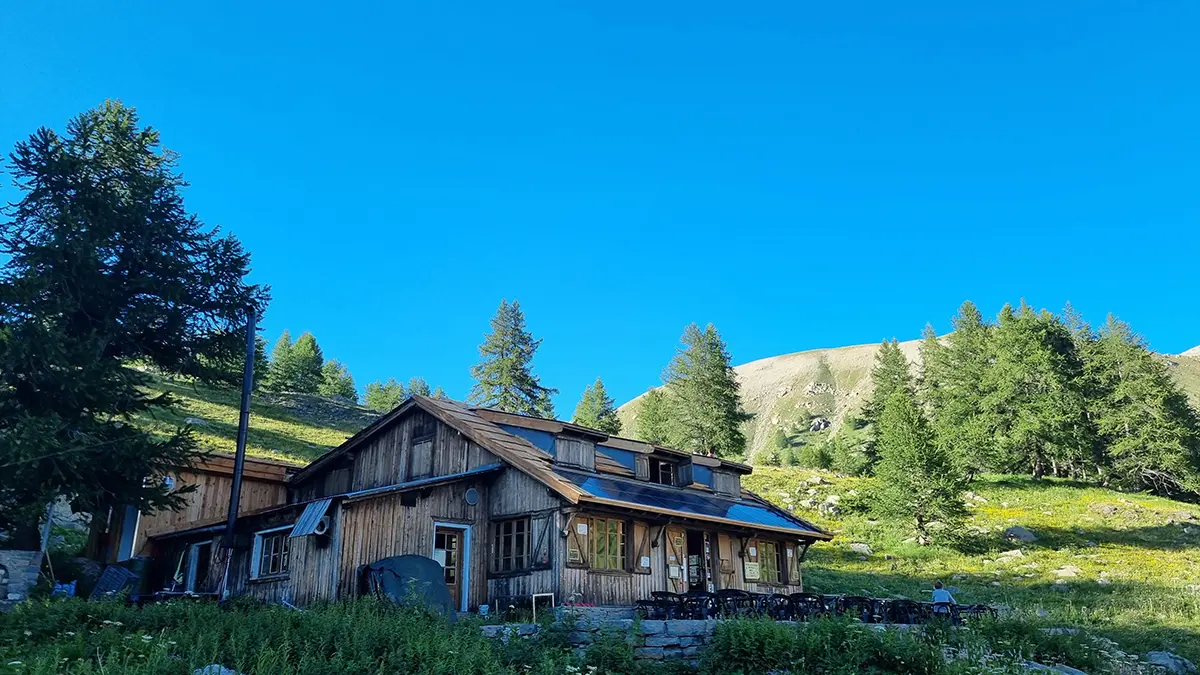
[
  {"x": 20, "y": 572},
  {"x": 654, "y": 640}
]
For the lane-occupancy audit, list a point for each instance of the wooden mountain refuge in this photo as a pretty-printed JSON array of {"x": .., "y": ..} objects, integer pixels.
[{"x": 509, "y": 505}]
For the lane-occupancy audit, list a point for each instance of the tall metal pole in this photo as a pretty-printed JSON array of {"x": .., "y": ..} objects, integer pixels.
[{"x": 243, "y": 426}]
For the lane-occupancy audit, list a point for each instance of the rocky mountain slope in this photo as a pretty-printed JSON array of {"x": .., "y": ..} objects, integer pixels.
[{"x": 813, "y": 393}]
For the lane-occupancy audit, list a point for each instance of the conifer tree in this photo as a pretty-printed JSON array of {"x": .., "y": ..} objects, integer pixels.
[
  {"x": 1150, "y": 434},
  {"x": 440, "y": 393},
  {"x": 953, "y": 378},
  {"x": 101, "y": 268},
  {"x": 337, "y": 381},
  {"x": 1034, "y": 401},
  {"x": 653, "y": 421},
  {"x": 916, "y": 477},
  {"x": 504, "y": 377},
  {"x": 417, "y": 386},
  {"x": 384, "y": 396},
  {"x": 281, "y": 371},
  {"x": 307, "y": 360},
  {"x": 889, "y": 375},
  {"x": 703, "y": 395},
  {"x": 596, "y": 410}
]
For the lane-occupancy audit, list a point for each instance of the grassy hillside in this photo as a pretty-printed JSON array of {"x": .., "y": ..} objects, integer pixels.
[
  {"x": 1126, "y": 565},
  {"x": 290, "y": 427},
  {"x": 794, "y": 390}
]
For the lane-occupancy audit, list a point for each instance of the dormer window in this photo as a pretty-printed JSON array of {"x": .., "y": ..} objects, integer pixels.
[{"x": 662, "y": 472}]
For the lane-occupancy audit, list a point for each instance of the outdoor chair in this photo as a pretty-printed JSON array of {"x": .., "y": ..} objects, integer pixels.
[
  {"x": 857, "y": 607},
  {"x": 806, "y": 606},
  {"x": 668, "y": 605},
  {"x": 647, "y": 609},
  {"x": 976, "y": 611},
  {"x": 903, "y": 611},
  {"x": 777, "y": 606},
  {"x": 733, "y": 602},
  {"x": 946, "y": 611},
  {"x": 699, "y": 605}
]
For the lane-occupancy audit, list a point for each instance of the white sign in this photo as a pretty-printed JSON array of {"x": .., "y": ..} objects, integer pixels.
[
  {"x": 645, "y": 561},
  {"x": 581, "y": 528},
  {"x": 673, "y": 572},
  {"x": 751, "y": 571},
  {"x": 752, "y": 552}
]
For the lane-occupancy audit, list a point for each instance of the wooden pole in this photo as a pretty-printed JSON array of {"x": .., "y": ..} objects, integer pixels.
[{"x": 243, "y": 426}]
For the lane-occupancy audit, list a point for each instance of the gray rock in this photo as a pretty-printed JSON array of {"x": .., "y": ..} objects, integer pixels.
[
  {"x": 819, "y": 424},
  {"x": 215, "y": 669},
  {"x": 1104, "y": 581},
  {"x": 1035, "y": 667},
  {"x": 654, "y": 627},
  {"x": 1172, "y": 663},
  {"x": 1015, "y": 553},
  {"x": 196, "y": 421},
  {"x": 662, "y": 641},
  {"x": 691, "y": 627},
  {"x": 861, "y": 549},
  {"x": 655, "y": 653},
  {"x": 1020, "y": 534}
]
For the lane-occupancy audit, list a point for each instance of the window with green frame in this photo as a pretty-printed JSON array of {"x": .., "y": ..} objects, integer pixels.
[
  {"x": 607, "y": 537},
  {"x": 770, "y": 563}
]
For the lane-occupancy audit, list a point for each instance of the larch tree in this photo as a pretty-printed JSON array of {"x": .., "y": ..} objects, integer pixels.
[
  {"x": 384, "y": 396},
  {"x": 337, "y": 381},
  {"x": 1150, "y": 435},
  {"x": 952, "y": 382},
  {"x": 308, "y": 360},
  {"x": 281, "y": 369},
  {"x": 417, "y": 386},
  {"x": 103, "y": 269},
  {"x": 889, "y": 375},
  {"x": 916, "y": 476},
  {"x": 597, "y": 410},
  {"x": 653, "y": 420},
  {"x": 504, "y": 377},
  {"x": 703, "y": 395}
]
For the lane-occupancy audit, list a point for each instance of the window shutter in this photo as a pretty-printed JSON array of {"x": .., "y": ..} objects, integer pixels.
[
  {"x": 539, "y": 531},
  {"x": 683, "y": 474},
  {"x": 793, "y": 565},
  {"x": 641, "y": 555},
  {"x": 577, "y": 542},
  {"x": 641, "y": 467}
]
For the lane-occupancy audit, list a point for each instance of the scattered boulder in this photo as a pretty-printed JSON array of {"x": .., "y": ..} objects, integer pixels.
[
  {"x": 196, "y": 421},
  {"x": 815, "y": 388},
  {"x": 1015, "y": 553},
  {"x": 819, "y": 424},
  {"x": 1018, "y": 533},
  {"x": 1035, "y": 667},
  {"x": 1172, "y": 663},
  {"x": 936, "y": 526},
  {"x": 861, "y": 549},
  {"x": 828, "y": 509},
  {"x": 1067, "y": 571},
  {"x": 815, "y": 480},
  {"x": 808, "y": 503},
  {"x": 1104, "y": 581}
]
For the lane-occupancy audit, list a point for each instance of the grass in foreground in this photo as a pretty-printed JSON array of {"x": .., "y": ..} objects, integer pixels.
[{"x": 1124, "y": 565}]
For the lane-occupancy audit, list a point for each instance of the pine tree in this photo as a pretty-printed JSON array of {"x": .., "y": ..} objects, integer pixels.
[
  {"x": 1034, "y": 402},
  {"x": 504, "y": 377},
  {"x": 308, "y": 360},
  {"x": 703, "y": 395},
  {"x": 384, "y": 396},
  {"x": 1150, "y": 434},
  {"x": 889, "y": 375},
  {"x": 417, "y": 386},
  {"x": 953, "y": 378},
  {"x": 337, "y": 381},
  {"x": 653, "y": 421},
  {"x": 916, "y": 477},
  {"x": 440, "y": 393},
  {"x": 596, "y": 410},
  {"x": 102, "y": 267},
  {"x": 281, "y": 370},
  {"x": 262, "y": 367}
]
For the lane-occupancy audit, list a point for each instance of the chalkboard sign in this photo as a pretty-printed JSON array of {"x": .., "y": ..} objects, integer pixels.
[{"x": 113, "y": 581}]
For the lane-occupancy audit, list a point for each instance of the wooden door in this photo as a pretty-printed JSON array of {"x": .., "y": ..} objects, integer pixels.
[
  {"x": 676, "y": 554},
  {"x": 447, "y": 550}
]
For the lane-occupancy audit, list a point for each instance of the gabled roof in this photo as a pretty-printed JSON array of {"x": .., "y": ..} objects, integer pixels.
[{"x": 511, "y": 448}]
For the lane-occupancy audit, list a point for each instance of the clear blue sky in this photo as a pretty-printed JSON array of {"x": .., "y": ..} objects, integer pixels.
[{"x": 800, "y": 174}]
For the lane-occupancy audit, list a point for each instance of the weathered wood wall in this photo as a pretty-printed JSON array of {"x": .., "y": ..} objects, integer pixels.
[
  {"x": 576, "y": 452},
  {"x": 618, "y": 587},
  {"x": 516, "y": 494},
  {"x": 382, "y": 526},
  {"x": 727, "y": 483}
]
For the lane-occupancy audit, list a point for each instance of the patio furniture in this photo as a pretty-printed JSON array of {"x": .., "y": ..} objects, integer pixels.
[
  {"x": 857, "y": 607},
  {"x": 668, "y": 605},
  {"x": 966, "y": 612},
  {"x": 806, "y": 606},
  {"x": 777, "y": 606},
  {"x": 945, "y": 611},
  {"x": 699, "y": 605},
  {"x": 647, "y": 609},
  {"x": 733, "y": 602},
  {"x": 903, "y": 611}
]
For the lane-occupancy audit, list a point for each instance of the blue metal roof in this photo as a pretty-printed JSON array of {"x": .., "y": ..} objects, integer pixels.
[{"x": 687, "y": 502}]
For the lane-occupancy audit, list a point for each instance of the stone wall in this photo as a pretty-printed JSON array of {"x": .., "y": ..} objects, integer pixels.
[
  {"x": 20, "y": 573},
  {"x": 655, "y": 640}
]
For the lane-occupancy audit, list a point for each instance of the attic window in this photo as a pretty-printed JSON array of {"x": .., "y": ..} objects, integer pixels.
[
  {"x": 662, "y": 472},
  {"x": 423, "y": 429}
]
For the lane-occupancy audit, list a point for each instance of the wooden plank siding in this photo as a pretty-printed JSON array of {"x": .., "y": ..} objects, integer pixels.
[
  {"x": 210, "y": 500},
  {"x": 575, "y": 452},
  {"x": 727, "y": 483},
  {"x": 382, "y": 527},
  {"x": 516, "y": 494}
]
